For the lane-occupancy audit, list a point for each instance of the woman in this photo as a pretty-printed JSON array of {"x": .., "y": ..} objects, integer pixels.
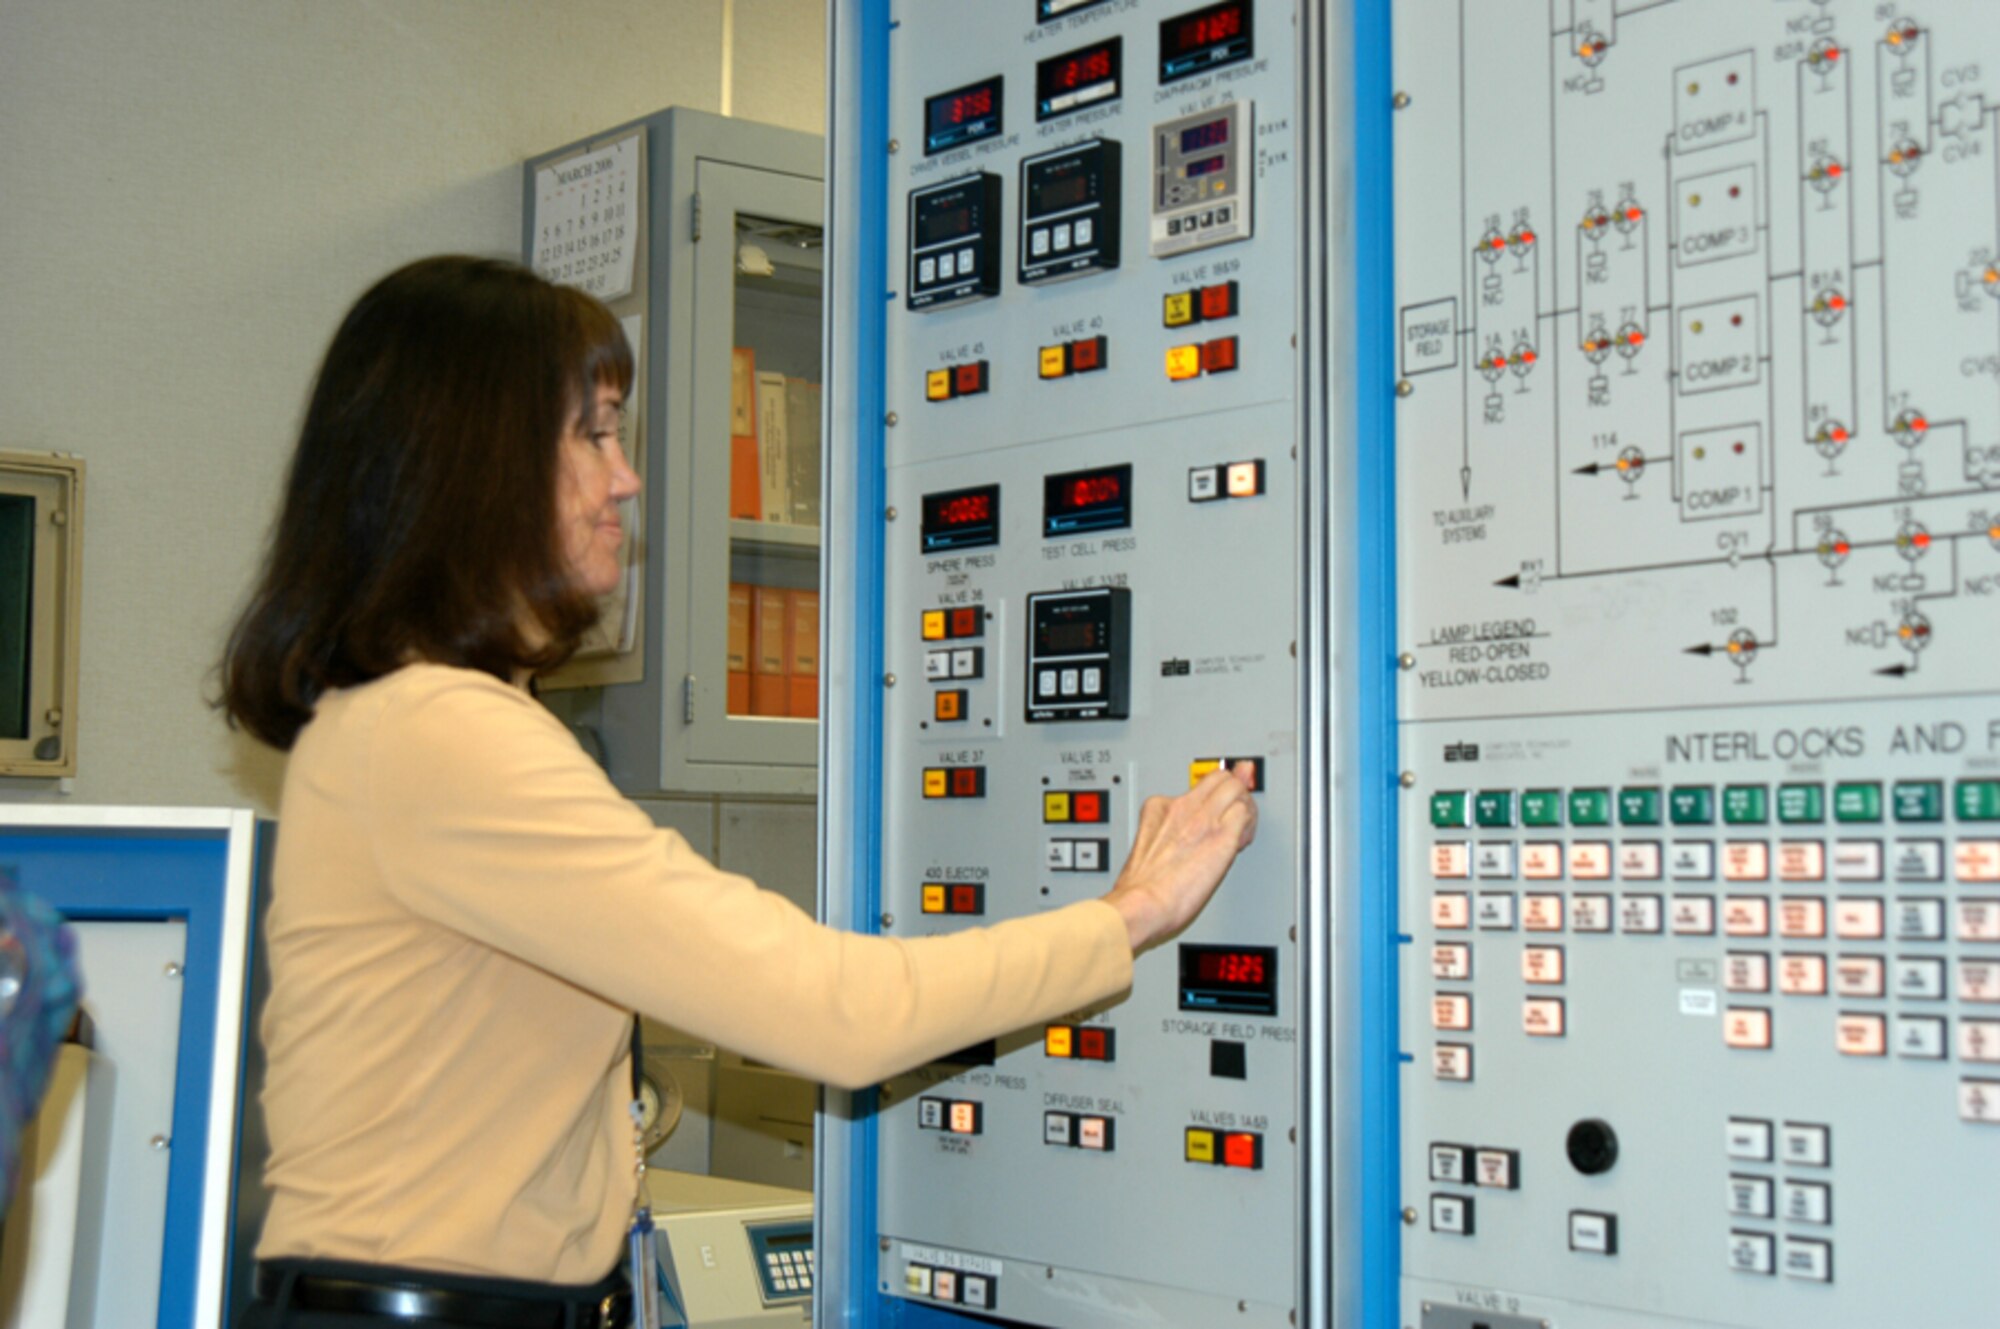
[{"x": 465, "y": 912}]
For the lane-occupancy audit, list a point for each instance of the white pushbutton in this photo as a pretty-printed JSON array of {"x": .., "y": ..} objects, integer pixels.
[
  {"x": 1061, "y": 238},
  {"x": 1749, "y": 1139},
  {"x": 1691, "y": 860},
  {"x": 947, "y": 266},
  {"x": 1038, "y": 241},
  {"x": 1857, "y": 860},
  {"x": 1496, "y": 911},
  {"x": 1494, "y": 860},
  {"x": 1542, "y": 913},
  {"x": 1542, "y": 965},
  {"x": 1639, "y": 860},
  {"x": 1920, "y": 1037},
  {"x": 1750, "y": 1197},
  {"x": 1802, "y": 974},
  {"x": 1746, "y": 916},
  {"x": 1452, "y": 961},
  {"x": 1542, "y": 1017},
  {"x": 1542, "y": 861},
  {"x": 1920, "y": 977},
  {"x": 1593, "y": 1234},
  {"x": 1451, "y": 1061},
  {"x": 1451, "y": 1010},
  {"x": 1808, "y": 1202},
  {"x": 926, "y": 271},
  {"x": 1451, "y": 1163},
  {"x": 1746, "y": 860},
  {"x": 1805, "y": 1145},
  {"x": 1920, "y": 920},
  {"x": 1747, "y": 1027},
  {"x": 1746, "y": 971},
  {"x": 1919, "y": 860},
  {"x": 1640, "y": 915},
  {"x": 1590, "y": 913},
  {"x": 1590, "y": 860},
  {"x": 1801, "y": 860},
  {"x": 1801, "y": 918},
  {"x": 1979, "y": 1040},
  {"x": 1451, "y": 1213},
  {"x": 966, "y": 262},
  {"x": 1694, "y": 915},
  {"x": 1751, "y": 1252},
  {"x": 1857, "y": 919},
  {"x": 1808, "y": 1259},
  {"x": 1451, "y": 859},
  {"x": 1859, "y": 976},
  {"x": 1085, "y": 232},
  {"x": 1451, "y": 910},
  {"x": 1979, "y": 920}
]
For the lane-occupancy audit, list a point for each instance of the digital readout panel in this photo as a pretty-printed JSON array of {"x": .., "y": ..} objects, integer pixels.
[
  {"x": 962, "y": 519},
  {"x": 1079, "y": 654},
  {"x": 954, "y": 241},
  {"x": 1093, "y": 500},
  {"x": 964, "y": 115},
  {"x": 1070, "y": 216},
  {"x": 1205, "y": 39},
  {"x": 1239, "y": 980},
  {"x": 1088, "y": 77}
]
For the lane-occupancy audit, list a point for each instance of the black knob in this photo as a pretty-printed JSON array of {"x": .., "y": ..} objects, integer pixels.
[{"x": 1593, "y": 1146}]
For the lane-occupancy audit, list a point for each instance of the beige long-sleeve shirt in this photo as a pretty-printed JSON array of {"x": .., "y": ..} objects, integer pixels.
[{"x": 465, "y": 913}]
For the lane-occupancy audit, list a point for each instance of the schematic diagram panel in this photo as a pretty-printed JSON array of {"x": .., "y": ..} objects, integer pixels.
[
  {"x": 1091, "y": 596},
  {"x": 1698, "y": 496}
]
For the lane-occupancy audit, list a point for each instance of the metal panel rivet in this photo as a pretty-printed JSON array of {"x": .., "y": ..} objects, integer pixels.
[
  {"x": 888, "y": 920},
  {"x": 1410, "y": 1218},
  {"x": 890, "y": 419},
  {"x": 889, "y": 514},
  {"x": 159, "y": 1144},
  {"x": 895, "y": 145},
  {"x": 173, "y": 969},
  {"x": 1409, "y": 779},
  {"x": 885, "y": 1243},
  {"x": 888, "y": 680},
  {"x": 54, "y": 715},
  {"x": 1407, "y": 660},
  {"x": 1401, "y": 101},
  {"x": 1403, "y": 389}
]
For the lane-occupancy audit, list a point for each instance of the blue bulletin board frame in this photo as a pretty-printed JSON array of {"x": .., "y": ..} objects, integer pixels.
[{"x": 193, "y": 865}]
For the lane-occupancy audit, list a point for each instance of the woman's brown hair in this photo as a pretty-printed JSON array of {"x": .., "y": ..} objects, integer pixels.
[{"x": 419, "y": 514}]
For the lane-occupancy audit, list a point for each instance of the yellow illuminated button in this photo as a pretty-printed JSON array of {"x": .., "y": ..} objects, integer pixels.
[
  {"x": 934, "y": 783},
  {"x": 1055, "y": 361},
  {"x": 1059, "y": 1041},
  {"x": 937, "y": 385},
  {"x": 1183, "y": 363},
  {"x": 1180, "y": 309},
  {"x": 1200, "y": 1146},
  {"x": 933, "y": 897},
  {"x": 934, "y": 625},
  {"x": 1055, "y": 807},
  {"x": 1198, "y": 769},
  {"x": 1244, "y": 479}
]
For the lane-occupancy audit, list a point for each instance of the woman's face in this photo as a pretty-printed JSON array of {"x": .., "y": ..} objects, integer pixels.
[{"x": 592, "y": 479}]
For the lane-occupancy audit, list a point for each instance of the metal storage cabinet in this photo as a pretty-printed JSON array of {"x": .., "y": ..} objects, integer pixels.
[{"x": 729, "y": 256}]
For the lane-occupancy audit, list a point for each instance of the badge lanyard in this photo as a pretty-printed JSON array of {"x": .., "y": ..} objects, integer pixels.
[{"x": 643, "y": 1269}]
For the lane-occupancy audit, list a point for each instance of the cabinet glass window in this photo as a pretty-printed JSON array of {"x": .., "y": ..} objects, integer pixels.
[{"x": 774, "y": 471}]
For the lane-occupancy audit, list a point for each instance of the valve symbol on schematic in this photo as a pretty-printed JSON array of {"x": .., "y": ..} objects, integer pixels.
[
  {"x": 1905, "y": 157},
  {"x": 1591, "y": 46},
  {"x": 1524, "y": 360},
  {"x": 1913, "y": 541},
  {"x": 1741, "y": 649},
  {"x": 1831, "y": 439},
  {"x": 1902, "y": 36},
  {"x": 1492, "y": 245},
  {"x": 1824, "y": 56},
  {"x": 1631, "y": 340},
  {"x": 1826, "y": 174},
  {"x": 1521, "y": 241},
  {"x": 1596, "y": 221},
  {"x": 1833, "y": 549},
  {"x": 1628, "y": 215},
  {"x": 1597, "y": 345},
  {"x": 1828, "y": 307},
  {"x": 1910, "y": 427},
  {"x": 1493, "y": 364},
  {"x": 1631, "y": 465},
  {"x": 1914, "y": 632}
]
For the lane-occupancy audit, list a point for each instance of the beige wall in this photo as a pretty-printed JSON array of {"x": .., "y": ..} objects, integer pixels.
[{"x": 192, "y": 191}]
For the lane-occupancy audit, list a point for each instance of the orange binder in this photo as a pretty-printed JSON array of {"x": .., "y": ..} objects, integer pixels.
[
  {"x": 739, "y": 648},
  {"x": 802, "y": 653},
  {"x": 746, "y": 497},
  {"x": 767, "y": 651}
]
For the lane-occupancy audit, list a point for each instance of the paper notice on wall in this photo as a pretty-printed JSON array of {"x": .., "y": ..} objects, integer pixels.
[{"x": 587, "y": 218}]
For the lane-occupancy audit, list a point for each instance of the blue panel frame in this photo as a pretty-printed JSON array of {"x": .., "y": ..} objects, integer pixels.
[
  {"x": 1378, "y": 1170},
  {"x": 152, "y": 874}
]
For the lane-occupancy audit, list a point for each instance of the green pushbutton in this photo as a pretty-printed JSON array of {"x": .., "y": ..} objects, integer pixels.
[
  {"x": 1448, "y": 809},
  {"x": 1493, "y": 808},
  {"x": 1978, "y": 800},
  {"x": 1590, "y": 807},
  {"x": 1691, "y": 805},
  {"x": 1802, "y": 803},
  {"x": 1918, "y": 800},
  {"x": 1542, "y": 807},
  {"x": 1639, "y": 807},
  {"x": 1857, "y": 802},
  {"x": 1745, "y": 805}
]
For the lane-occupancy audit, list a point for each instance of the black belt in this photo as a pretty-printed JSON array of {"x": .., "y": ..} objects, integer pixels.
[{"x": 406, "y": 1295}]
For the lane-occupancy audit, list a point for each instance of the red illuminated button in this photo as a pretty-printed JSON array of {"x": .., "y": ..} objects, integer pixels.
[
  {"x": 1088, "y": 806},
  {"x": 1089, "y": 354},
  {"x": 968, "y": 898},
  {"x": 968, "y": 781},
  {"x": 1218, "y": 356},
  {"x": 969, "y": 379},
  {"x": 1218, "y": 301},
  {"x": 963, "y": 1118},
  {"x": 1243, "y": 1149},
  {"x": 965, "y": 623},
  {"x": 1094, "y": 1044}
]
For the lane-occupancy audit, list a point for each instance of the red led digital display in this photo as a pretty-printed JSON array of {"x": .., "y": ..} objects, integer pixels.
[
  {"x": 968, "y": 106},
  {"x": 1078, "y": 501},
  {"x": 1231, "y": 968},
  {"x": 1205, "y": 39},
  {"x": 1069, "y": 82},
  {"x": 1242, "y": 979},
  {"x": 1217, "y": 25},
  {"x": 1080, "y": 71},
  {"x": 1211, "y": 135},
  {"x": 1091, "y": 490},
  {"x": 962, "y": 518}
]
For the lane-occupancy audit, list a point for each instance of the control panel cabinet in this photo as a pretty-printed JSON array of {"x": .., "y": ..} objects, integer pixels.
[
  {"x": 1091, "y": 589},
  {"x": 1700, "y": 865},
  {"x": 704, "y": 678}
]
